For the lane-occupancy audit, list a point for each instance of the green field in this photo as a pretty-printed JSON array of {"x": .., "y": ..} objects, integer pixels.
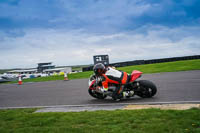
[
  {"x": 165, "y": 67},
  {"x": 149, "y": 68},
  {"x": 123, "y": 121}
]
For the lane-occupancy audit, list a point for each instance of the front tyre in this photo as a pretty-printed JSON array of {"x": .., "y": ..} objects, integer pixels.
[
  {"x": 96, "y": 94},
  {"x": 147, "y": 89}
]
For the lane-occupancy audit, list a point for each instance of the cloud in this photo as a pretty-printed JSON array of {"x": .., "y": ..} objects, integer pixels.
[
  {"x": 98, "y": 16},
  {"x": 71, "y": 32},
  {"x": 78, "y": 47}
]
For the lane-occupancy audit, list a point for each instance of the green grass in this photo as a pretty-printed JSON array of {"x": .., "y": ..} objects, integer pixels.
[
  {"x": 126, "y": 121},
  {"x": 149, "y": 68},
  {"x": 165, "y": 67}
]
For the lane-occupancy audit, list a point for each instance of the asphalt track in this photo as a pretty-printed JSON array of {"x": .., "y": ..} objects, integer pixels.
[{"x": 173, "y": 87}]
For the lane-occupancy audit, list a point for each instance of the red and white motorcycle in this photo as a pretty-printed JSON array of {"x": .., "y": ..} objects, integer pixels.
[{"x": 142, "y": 88}]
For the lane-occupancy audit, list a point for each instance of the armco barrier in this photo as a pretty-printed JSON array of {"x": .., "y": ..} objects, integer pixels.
[
  {"x": 171, "y": 59},
  {"x": 140, "y": 62},
  {"x": 87, "y": 68}
]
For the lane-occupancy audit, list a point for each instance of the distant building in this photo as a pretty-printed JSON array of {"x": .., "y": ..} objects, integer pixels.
[
  {"x": 43, "y": 70},
  {"x": 47, "y": 68},
  {"x": 101, "y": 59},
  {"x": 23, "y": 71},
  {"x": 43, "y": 66},
  {"x": 58, "y": 70}
]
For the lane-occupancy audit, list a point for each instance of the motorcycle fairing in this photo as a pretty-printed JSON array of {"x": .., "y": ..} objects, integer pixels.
[
  {"x": 92, "y": 88},
  {"x": 134, "y": 75}
]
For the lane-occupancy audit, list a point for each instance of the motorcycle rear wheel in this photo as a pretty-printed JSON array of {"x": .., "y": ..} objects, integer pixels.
[
  {"x": 96, "y": 94},
  {"x": 147, "y": 89}
]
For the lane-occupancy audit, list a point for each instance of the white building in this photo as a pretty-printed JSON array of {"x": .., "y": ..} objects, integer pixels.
[
  {"x": 21, "y": 71},
  {"x": 58, "y": 70},
  {"x": 31, "y": 73}
]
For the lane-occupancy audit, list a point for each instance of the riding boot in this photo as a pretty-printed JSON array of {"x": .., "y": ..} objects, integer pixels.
[{"x": 116, "y": 95}]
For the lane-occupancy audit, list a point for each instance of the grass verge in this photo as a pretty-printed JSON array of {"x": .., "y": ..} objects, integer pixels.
[
  {"x": 165, "y": 67},
  {"x": 152, "y": 68},
  {"x": 139, "y": 121},
  {"x": 149, "y": 68}
]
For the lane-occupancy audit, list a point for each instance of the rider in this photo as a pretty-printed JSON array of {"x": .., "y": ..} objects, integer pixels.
[{"x": 111, "y": 75}]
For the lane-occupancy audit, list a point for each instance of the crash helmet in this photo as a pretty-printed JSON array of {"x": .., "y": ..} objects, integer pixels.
[{"x": 99, "y": 69}]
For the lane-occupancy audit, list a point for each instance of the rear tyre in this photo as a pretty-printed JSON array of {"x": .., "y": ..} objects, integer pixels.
[
  {"x": 147, "y": 89},
  {"x": 96, "y": 94}
]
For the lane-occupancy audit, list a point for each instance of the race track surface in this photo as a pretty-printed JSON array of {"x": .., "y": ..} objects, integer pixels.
[{"x": 172, "y": 87}]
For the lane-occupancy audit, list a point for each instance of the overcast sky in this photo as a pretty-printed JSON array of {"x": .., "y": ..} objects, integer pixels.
[{"x": 70, "y": 32}]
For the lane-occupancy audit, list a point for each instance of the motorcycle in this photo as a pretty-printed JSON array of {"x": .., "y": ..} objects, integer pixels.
[{"x": 141, "y": 88}]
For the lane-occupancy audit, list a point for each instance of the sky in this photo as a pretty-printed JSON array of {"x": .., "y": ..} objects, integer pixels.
[{"x": 71, "y": 32}]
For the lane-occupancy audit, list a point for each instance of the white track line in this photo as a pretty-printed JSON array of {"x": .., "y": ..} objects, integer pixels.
[{"x": 113, "y": 104}]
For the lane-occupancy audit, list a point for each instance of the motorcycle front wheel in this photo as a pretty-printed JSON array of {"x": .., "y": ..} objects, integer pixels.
[{"x": 96, "y": 94}]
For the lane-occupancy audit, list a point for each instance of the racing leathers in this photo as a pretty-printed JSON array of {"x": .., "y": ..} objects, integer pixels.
[{"x": 113, "y": 76}]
